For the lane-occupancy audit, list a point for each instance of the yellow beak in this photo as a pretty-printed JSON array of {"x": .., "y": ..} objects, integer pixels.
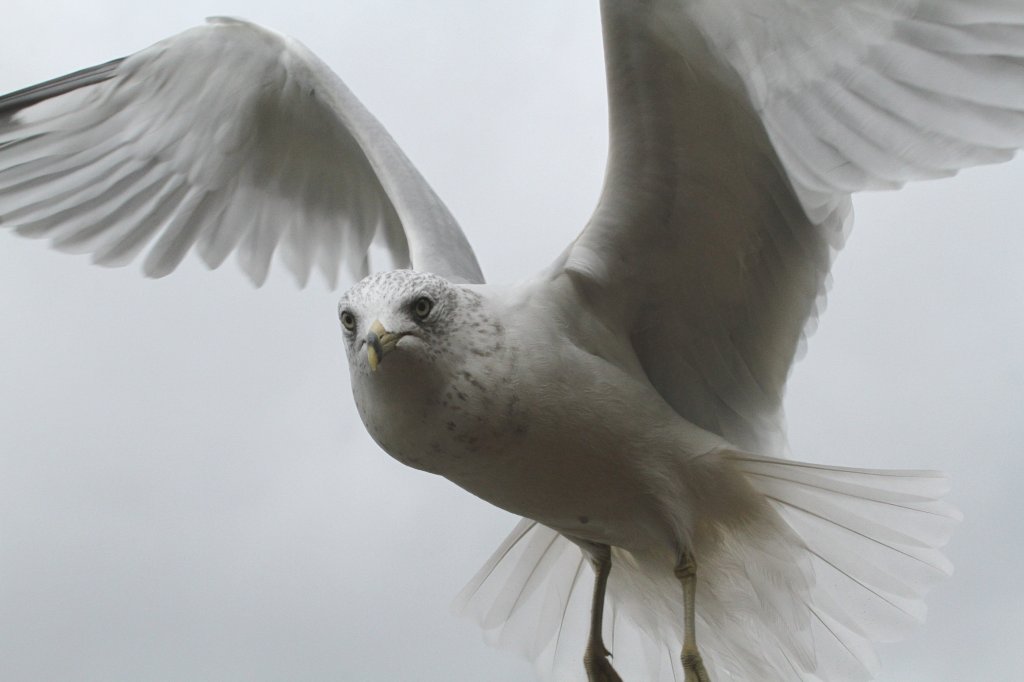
[{"x": 379, "y": 342}]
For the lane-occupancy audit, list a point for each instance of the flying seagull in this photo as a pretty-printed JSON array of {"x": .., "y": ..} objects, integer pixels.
[{"x": 667, "y": 327}]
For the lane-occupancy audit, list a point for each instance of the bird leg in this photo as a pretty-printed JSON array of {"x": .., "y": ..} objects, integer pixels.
[
  {"x": 693, "y": 666},
  {"x": 595, "y": 659}
]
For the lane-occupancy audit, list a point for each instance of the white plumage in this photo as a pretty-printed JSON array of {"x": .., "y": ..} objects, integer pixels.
[{"x": 849, "y": 101}]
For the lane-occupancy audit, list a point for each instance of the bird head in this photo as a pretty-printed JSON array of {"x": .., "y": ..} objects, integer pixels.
[
  {"x": 397, "y": 319},
  {"x": 415, "y": 343}
]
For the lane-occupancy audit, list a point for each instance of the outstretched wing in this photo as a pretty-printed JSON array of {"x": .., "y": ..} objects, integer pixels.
[
  {"x": 227, "y": 137},
  {"x": 739, "y": 128}
]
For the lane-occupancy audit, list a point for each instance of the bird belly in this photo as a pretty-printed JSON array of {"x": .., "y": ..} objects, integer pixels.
[
  {"x": 582, "y": 448},
  {"x": 566, "y": 439}
]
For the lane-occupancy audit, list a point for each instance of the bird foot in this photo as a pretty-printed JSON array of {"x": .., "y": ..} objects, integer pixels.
[
  {"x": 693, "y": 667},
  {"x": 599, "y": 668}
]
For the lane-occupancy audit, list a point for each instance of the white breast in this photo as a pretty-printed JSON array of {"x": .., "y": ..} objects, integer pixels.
[{"x": 539, "y": 427}]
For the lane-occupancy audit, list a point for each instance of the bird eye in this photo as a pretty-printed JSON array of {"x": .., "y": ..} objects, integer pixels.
[
  {"x": 348, "y": 320},
  {"x": 422, "y": 307}
]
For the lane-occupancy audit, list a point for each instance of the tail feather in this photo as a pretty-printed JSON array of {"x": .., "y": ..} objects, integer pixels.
[
  {"x": 874, "y": 536},
  {"x": 839, "y": 559},
  {"x": 533, "y": 596}
]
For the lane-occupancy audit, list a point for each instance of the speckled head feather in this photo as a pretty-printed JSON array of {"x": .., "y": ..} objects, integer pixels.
[
  {"x": 396, "y": 285},
  {"x": 457, "y": 315}
]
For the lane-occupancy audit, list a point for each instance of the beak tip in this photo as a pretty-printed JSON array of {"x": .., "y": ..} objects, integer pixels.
[{"x": 378, "y": 343}]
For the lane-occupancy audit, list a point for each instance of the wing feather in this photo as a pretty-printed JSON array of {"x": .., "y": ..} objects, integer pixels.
[
  {"x": 224, "y": 139},
  {"x": 739, "y": 130}
]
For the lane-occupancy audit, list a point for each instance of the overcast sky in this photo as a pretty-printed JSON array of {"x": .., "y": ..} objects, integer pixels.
[{"x": 186, "y": 491}]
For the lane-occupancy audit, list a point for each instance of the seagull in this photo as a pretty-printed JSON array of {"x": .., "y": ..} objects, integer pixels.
[{"x": 626, "y": 401}]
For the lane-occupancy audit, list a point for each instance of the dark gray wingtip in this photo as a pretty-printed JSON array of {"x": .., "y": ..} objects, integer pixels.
[{"x": 34, "y": 94}]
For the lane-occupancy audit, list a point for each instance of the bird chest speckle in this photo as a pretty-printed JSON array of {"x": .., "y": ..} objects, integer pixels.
[{"x": 450, "y": 423}]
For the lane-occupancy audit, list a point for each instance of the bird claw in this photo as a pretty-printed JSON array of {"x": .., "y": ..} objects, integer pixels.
[{"x": 599, "y": 668}]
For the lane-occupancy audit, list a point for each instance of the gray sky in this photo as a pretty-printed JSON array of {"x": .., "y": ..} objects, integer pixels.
[{"x": 186, "y": 492}]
